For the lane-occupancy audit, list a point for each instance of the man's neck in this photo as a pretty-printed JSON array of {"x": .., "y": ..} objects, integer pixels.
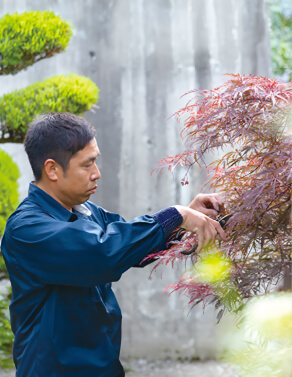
[{"x": 47, "y": 189}]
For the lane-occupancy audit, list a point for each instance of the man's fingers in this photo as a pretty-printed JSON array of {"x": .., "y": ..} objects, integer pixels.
[
  {"x": 200, "y": 241},
  {"x": 215, "y": 203},
  {"x": 208, "y": 211},
  {"x": 206, "y": 234},
  {"x": 220, "y": 198},
  {"x": 205, "y": 227},
  {"x": 209, "y": 204},
  {"x": 219, "y": 230},
  {"x": 210, "y": 235}
]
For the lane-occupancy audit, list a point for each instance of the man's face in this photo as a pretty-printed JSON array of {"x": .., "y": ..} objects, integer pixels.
[{"x": 80, "y": 179}]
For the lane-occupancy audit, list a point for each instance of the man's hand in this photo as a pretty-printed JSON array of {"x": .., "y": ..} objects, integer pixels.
[
  {"x": 209, "y": 204},
  {"x": 205, "y": 227}
]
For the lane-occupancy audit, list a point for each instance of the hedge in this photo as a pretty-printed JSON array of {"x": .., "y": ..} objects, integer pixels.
[
  {"x": 9, "y": 174},
  {"x": 29, "y": 37},
  {"x": 66, "y": 93}
]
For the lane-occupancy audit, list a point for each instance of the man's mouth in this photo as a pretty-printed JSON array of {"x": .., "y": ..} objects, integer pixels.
[{"x": 93, "y": 189}]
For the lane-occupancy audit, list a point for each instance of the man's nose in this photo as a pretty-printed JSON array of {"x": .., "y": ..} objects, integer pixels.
[{"x": 96, "y": 174}]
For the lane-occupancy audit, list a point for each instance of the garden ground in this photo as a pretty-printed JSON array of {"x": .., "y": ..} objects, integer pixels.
[{"x": 168, "y": 368}]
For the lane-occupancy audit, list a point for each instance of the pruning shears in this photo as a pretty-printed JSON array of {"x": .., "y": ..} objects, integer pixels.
[{"x": 222, "y": 221}]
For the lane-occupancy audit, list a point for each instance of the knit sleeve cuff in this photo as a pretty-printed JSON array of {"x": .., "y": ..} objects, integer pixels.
[{"x": 169, "y": 218}]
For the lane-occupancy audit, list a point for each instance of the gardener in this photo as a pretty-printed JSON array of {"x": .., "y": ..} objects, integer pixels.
[{"x": 62, "y": 253}]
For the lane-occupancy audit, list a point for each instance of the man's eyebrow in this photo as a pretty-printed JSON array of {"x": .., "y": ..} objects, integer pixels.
[{"x": 92, "y": 158}]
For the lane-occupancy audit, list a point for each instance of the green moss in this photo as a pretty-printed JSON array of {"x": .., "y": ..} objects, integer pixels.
[
  {"x": 65, "y": 93},
  {"x": 29, "y": 37}
]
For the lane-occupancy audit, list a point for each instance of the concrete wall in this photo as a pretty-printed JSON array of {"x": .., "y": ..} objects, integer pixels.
[{"x": 143, "y": 55}]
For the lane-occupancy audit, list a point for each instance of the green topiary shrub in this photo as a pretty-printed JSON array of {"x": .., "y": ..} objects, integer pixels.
[
  {"x": 29, "y": 37},
  {"x": 71, "y": 93},
  {"x": 9, "y": 174}
]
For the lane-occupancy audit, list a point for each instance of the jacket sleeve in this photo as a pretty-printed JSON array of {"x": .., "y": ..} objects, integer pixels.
[
  {"x": 109, "y": 217},
  {"x": 81, "y": 253}
]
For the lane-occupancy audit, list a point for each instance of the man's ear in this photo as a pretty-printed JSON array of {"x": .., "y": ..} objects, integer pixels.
[{"x": 52, "y": 169}]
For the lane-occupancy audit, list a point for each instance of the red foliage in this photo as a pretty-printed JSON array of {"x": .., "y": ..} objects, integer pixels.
[
  {"x": 246, "y": 120},
  {"x": 197, "y": 292}
]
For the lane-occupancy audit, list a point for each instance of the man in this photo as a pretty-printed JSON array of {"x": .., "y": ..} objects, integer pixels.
[{"x": 62, "y": 253}]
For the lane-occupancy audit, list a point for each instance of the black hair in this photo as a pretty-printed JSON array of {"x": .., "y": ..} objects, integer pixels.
[{"x": 58, "y": 136}]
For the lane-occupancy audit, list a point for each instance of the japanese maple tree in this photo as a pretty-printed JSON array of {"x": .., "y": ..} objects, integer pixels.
[{"x": 245, "y": 122}]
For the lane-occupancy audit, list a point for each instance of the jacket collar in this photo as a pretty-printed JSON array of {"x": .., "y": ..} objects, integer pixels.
[{"x": 54, "y": 208}]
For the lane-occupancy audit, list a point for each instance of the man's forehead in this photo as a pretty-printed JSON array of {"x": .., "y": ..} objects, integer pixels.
[
  {"x": 92, "y": 145},
  {"x": 97, "y": 150},
  {"x": 95, "y": 143},
  {"x": 90, "y": 148}
]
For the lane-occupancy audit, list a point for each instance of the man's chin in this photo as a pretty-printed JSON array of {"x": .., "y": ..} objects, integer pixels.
[
  {"x": 83, "y": 200},
  {"x": 87, "y": 198}
]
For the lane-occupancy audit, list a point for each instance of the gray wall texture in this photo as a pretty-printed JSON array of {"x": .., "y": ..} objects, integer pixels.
[{"x": 143, "y": 55}]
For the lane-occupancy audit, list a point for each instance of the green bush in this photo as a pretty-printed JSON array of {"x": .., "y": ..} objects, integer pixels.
[
  {"x": 71, "y": 93},
  {"x": 9, "y": 197},
  {"x": 29, "y": 37},
  {"x": 9, "y": 174},
  {"x": 281, "y": 37},
  {"x": 6, "y": 335}
]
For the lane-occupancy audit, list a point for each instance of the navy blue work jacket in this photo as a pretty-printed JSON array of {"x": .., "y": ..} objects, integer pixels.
[{"x": 65, "y": 317}]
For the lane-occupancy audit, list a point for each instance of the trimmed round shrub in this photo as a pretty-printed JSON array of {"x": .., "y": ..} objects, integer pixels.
[
  {"x": 66, "y": 93},
  {"x": 29, "y": 37}
]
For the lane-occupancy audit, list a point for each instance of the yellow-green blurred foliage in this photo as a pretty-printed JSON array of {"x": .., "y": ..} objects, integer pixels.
[
  {"x": 212, "y": 268},
  {"x": 262, "y": 345}
]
